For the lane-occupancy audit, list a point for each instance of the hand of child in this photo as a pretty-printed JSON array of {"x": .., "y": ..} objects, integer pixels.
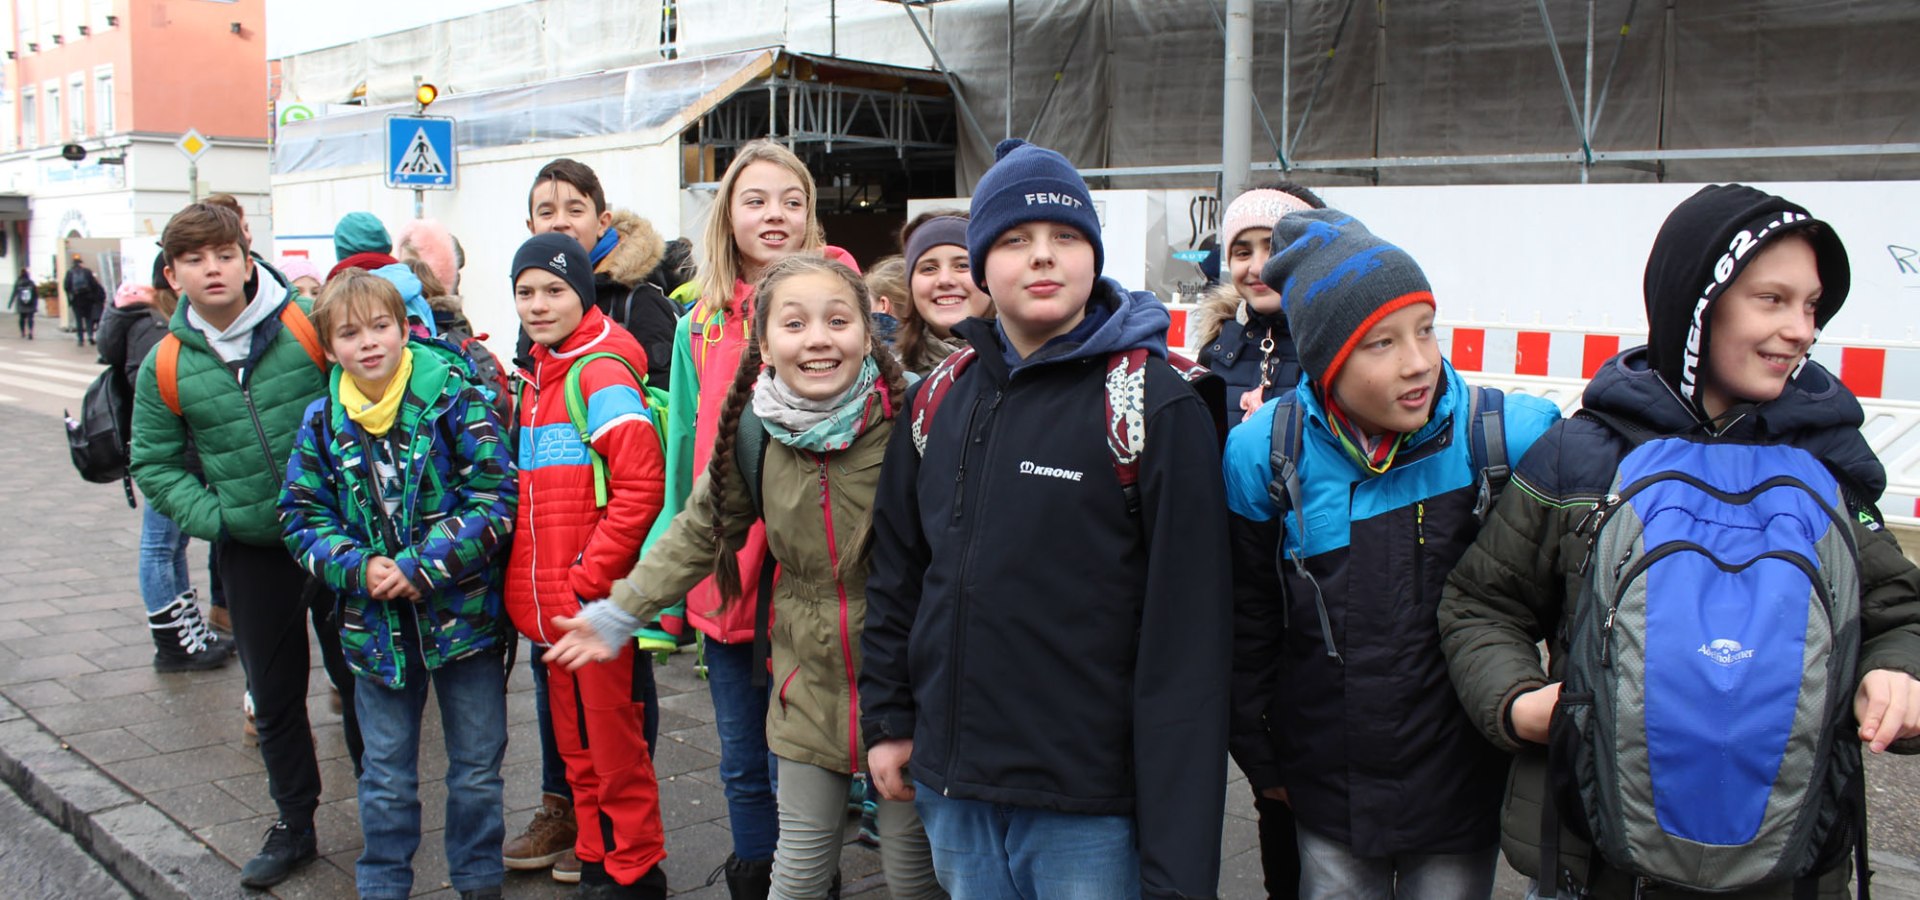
[
  {"x": 1279, "y": 794},
  {"x": 887, "y": 765},
  {"x": 1249, "y": 402},
  {"x": 380, "y": 574},
  {"x": 578, "y": 645},
  {"x": 1888, "y": 707},
  {"x": 1533, "y": 711}
]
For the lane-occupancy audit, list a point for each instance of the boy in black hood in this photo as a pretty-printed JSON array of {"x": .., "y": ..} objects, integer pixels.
[{"x": 1738, "y": 285}]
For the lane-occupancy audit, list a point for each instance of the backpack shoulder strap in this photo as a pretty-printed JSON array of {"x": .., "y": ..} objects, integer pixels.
[
  {"x": 939, "y": 381},
  {"x": 1289, "y": 434},
  {"x": 166, "y": 371},
  {"x": 1486, "y": 414},
  {"x": 1126, "y": 402},
  {"x": 296, "y": 321},
  {"x": 577, "y": 413},
  {"x": 750, "y": 457}
]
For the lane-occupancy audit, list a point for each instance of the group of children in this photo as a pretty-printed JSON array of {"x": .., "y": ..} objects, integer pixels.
[{"x": 1039, "y": 620}]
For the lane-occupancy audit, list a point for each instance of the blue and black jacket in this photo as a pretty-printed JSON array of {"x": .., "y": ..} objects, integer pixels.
[
  {"x": 1358, "y": 720},
  {"x": 1043, "y": 645}
]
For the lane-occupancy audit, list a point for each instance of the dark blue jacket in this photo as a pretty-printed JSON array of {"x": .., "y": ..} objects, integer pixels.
[
  {"x": 1042, "y": 645},
  {"x": 1235, "y": 350}
]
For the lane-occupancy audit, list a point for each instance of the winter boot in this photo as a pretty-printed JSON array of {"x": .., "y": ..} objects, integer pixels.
[
  {"x": 214, "y": 640},
  {"x": 547, "y": 838},
  {"x": 180, "y": 639},
  {"x": 747, "y": 879}
]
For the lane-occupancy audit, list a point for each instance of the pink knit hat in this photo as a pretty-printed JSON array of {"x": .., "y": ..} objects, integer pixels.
[
  {"x": 298, "y": 267},
  {"x": 428, "y": 241},
  {"x": 1258, "y": 208}
]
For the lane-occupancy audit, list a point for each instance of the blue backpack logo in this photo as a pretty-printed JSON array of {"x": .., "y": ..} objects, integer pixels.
[{"x": 1704, "y": 733}]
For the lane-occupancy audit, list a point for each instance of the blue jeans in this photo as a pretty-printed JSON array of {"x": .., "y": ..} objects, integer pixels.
[
  {"x": 1330, "y": 870},
  {"x": 986, "y": 851},
  {"x": 746, "y": 773},
  {"x": 473, "y": 714},
  {"x": 163, "y": 560},
  {"x": 553, "y": 769}
]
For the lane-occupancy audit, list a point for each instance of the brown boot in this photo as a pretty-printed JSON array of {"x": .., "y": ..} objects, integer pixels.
[
  {"x": 218, "y": 618},
  {"x": 566, "y": 869},
  {"x": 547, "y": 838}
]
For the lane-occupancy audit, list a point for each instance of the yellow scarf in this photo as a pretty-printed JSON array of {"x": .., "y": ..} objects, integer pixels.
[{"x": 377, "y": 416}]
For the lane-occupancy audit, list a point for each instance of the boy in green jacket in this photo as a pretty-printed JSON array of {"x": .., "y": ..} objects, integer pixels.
[
  {"x": 238, "y": 367},
  {"x": 400, "y": 495}
]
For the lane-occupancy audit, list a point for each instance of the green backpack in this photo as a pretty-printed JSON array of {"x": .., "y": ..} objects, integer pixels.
[{"x": 655, "y": 399}]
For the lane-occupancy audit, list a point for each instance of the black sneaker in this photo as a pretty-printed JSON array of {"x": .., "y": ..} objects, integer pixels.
[
  {"x": 485, "y": 893},
  {"x": 284, "y": 851}
]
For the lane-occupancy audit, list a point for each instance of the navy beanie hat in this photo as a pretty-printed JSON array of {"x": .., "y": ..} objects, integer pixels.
[
  {"x": 561, "y": 255},
  {"x": 1029, "y": 184},
  {"x": 1336, "y": 281}
]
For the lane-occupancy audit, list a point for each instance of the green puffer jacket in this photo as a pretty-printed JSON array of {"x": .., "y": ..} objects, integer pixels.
[
  {"x": 454, "y": 517},
  {"x": 242, "y": 423},
  {"x": 815, "y": 505}
]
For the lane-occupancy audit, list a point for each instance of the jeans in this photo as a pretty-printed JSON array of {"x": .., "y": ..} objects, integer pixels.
[
  {"x": 163, "y": 560},
  {"x": 1329, "y": 870},
  {"x": 272, "y": 599},
  {"x": 553, "y": 770},
  {"x": 473, "y": 715},
  {"x": 813, "y": 818},
  {"x": 986, "y": 851},
  {"x": 740, "y": 715}
]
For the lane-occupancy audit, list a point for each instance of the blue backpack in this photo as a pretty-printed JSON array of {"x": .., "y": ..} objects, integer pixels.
[{"x": 1704, "y": 734}]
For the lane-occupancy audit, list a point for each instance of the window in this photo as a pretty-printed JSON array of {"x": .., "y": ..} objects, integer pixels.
[
  {"x": 76, "y": 106},
  {"x": 29, "y": 118},
  {"x": 52, "y": 133},
  {"x": 103, "y": 100}
]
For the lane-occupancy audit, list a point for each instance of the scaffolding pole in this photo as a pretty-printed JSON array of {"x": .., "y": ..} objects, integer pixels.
[
  {"x": 953, "y": 84},
  {"x": 1236, "y": 127}
]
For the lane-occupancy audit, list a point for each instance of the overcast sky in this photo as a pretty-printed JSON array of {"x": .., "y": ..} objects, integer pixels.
[{"x": 296, "y": 26}]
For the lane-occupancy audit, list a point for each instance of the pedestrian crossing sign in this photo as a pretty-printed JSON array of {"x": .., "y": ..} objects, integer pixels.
[{"x": 420, "y": 152}]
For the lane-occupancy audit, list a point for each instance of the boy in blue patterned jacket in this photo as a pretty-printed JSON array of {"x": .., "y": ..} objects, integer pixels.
[{"x": 400, "y": 494}]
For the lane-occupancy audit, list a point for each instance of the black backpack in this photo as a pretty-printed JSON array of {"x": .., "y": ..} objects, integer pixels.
[{"x": 99, "y": 439}]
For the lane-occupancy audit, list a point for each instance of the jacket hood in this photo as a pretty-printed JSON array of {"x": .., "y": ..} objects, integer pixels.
[
  {"x": 1117, "y": 320},
  {"x": 408, "y": 284},
  {"x": 638, "y": 253},
  {"x": 1815, "y": 413},
  {"x": 1703, "y": 246}
]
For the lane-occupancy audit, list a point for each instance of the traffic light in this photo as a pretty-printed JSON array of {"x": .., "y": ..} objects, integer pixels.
[{"x": 425, "y": 94}]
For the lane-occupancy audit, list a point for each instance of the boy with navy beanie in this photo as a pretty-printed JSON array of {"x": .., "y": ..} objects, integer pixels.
[
  {"x": 1341, "y": 703},
  {"x": 1052, "y": 760}
]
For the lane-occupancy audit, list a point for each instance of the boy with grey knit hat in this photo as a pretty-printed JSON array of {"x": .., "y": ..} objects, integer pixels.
[{"x": 1341, "y": 701}]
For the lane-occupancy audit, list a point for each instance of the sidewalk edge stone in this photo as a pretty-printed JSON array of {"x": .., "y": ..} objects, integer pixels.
[{"x": 152, "y": 854}]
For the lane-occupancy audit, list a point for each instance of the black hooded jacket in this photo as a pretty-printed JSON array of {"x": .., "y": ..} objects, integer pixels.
[{"x": 1042, "y": 645}]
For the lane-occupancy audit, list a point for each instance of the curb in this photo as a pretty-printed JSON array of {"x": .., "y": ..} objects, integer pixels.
[{"x": 150, "y": 853}]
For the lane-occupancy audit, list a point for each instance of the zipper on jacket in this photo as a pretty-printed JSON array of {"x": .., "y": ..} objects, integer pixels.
[
  {"x": 966, "y": 563},
  {"x": 960, "y": 471},
  {"x": 846, "y": 645},
  {"x": 274, "y": 469},
  {"x": 533, "y": 543}
]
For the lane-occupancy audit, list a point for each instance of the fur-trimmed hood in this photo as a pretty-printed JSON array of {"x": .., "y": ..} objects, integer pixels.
[
  {"x": 1220, "y": 303},
  {"x": 638, "y": 253}
]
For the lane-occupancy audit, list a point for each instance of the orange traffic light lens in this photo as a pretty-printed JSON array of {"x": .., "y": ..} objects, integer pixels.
[{"x": 426, "y": 94}]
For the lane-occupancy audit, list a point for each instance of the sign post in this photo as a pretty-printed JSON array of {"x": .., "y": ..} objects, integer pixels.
[
  {"x": 420, "y": 153},
  {"x": 193, "y": 145}
]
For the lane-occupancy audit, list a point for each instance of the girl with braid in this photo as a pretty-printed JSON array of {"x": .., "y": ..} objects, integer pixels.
[{"x": 826, "y": 393}]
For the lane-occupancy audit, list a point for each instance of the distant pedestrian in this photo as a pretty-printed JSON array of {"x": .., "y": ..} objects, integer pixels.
[
  {"x": 25, "y": 300},
  {"x": 86, "y": 297}
]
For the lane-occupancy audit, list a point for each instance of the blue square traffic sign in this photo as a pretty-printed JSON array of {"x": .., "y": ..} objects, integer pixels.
[{"x": 420, "y": 152}]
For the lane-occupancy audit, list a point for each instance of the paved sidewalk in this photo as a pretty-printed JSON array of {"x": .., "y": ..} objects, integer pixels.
[{"x": 149, "y": 773}]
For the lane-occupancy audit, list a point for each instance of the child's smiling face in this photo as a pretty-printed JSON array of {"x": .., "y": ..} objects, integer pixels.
[
  {"x": 368, "y": 349},
  {"x": 815, "y": 337},
  {"x": 1388, "y": 381},
  {"x": 1763, "y": 326},
  {"x": 769, "y": 213},
  {"x": 943, "y": 290},
  {"x": 548, "y": 306}
]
